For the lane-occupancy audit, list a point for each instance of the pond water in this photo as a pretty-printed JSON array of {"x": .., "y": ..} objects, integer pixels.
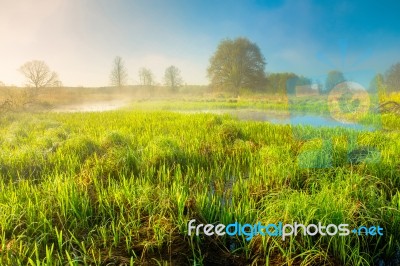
[
  {"x": 275, "y": 117},
  {"x": 99, "y": 106},
  {"x": 284, "y": 117}
]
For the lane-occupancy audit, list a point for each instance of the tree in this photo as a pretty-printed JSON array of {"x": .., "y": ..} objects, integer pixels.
[
  {"x": 277, "y": 82},
  {"x": 334, "y": 78},
  {"x": 146, "y": 77},
  {"x": 119, "y": 74},
  {"x": 172, "y": 78},
  {"x": 378, "y": 85},
  {"x": 237, "y": 64},
  {"x": 39, "y": 75},
  {"x": 393, "y": 78}
]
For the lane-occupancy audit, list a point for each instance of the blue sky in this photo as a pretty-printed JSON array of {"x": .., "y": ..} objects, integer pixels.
[{"x": 79, "y": 39}]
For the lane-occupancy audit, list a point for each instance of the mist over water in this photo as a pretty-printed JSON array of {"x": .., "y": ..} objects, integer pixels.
[{"x": 99, "y": 106}]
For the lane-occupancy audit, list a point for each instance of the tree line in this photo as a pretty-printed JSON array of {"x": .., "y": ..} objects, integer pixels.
[
  {"x": 119, "y": 76},
  {"x": 239, "y": 64},
  {"x": 235, "y": 65}
]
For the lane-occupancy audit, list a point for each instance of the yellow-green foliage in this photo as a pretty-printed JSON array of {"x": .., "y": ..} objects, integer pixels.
[{"x": 119, "y": 187}]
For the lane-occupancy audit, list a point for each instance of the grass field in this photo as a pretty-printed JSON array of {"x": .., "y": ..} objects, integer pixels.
[{"x": 119, "y": 187}]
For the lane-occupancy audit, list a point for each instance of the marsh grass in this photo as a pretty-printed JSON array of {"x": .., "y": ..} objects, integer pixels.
[{"x": 119, "y": 188}]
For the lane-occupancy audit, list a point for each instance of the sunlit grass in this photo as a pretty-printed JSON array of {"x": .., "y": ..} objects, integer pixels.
[{"x": 119, "y": 187}]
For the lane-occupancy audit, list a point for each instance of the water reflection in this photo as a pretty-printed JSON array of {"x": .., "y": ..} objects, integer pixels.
[{"x": 284, "y": 117}]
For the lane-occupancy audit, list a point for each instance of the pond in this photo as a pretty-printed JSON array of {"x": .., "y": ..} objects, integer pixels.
[
  {"x": 246, "y": 114},
  {"x": 284, "y": 117},
  {"x": 99, "y": 106}
]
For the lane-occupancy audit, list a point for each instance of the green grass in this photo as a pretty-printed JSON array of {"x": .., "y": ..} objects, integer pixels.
[
  {"x": 119, "y": 187},
  {"x": 316, "y": 105}
]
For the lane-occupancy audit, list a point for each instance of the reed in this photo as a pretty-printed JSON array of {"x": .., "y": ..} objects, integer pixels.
[{"x": 119, "y": 188}]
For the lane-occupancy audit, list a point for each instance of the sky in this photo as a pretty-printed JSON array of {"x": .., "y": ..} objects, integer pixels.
[{"x": 79, "y": 39}]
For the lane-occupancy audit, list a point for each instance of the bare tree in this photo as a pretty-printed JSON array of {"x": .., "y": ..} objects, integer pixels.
[
  {"x": 119, "y": 74},
  {"x": 146, "y": 77},
  {"x": 172, "y": 78},
  {"x": 39, "y": 75}
]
